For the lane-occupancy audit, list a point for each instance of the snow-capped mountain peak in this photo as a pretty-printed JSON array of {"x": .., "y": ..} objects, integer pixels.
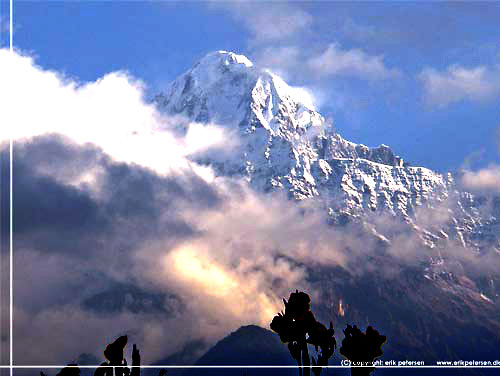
[
  {"x": 224, "y": 87},
  {"x": 285, "y": 144}
]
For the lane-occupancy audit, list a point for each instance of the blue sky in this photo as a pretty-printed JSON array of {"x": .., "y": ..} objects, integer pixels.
[{"x": 422, "y": 78}]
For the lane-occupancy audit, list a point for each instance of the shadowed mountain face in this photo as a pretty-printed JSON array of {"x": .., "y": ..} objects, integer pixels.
[{"x": 437, "y": 302}]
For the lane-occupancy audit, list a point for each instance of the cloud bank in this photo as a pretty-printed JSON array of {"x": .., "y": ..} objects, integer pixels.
[{"x": 352, "y": 62}]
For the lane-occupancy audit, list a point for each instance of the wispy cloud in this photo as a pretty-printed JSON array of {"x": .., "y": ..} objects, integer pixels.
[
  {"x": 336, "y": 61},
  {"x": 484, "y": 180},
  {"x": 273, "y": 22},
  {"x": 458, "y": 83},
  {"x": 332, "y": 61}
]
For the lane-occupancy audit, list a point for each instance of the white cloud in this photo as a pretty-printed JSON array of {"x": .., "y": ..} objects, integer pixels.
[
  {"x": 336, "y": 61},
  {"x": 333, "y": 61},
  {"x": 458, "y": 83},
  {"x": 281, "y": 59},
  {"x": 110, "y": 113},
  {"x": 486, "y": 180}
]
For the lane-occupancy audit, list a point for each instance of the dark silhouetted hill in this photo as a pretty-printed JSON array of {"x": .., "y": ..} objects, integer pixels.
[{"x": 249, "y": 345}]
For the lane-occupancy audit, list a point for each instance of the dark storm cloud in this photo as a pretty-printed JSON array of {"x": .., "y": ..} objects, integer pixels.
[{"x": 53, "y": 215}]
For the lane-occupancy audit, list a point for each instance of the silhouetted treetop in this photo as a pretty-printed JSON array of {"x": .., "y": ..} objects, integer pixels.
[{"x": 114, "y": 351}]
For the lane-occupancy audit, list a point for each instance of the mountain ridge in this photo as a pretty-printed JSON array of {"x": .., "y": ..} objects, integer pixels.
[{"x": 287, "y": 145}]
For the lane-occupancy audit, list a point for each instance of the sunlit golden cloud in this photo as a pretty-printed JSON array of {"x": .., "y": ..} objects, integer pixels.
[{"x": 240, "y": 294}]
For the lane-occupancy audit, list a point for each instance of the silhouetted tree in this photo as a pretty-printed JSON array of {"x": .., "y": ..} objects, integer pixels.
[
  {"x": 115, "y": 356},
  {"x": 298, "y": 327},
  {"x": 136, "y": 361},
  {"x": 362, "y": 348}
]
